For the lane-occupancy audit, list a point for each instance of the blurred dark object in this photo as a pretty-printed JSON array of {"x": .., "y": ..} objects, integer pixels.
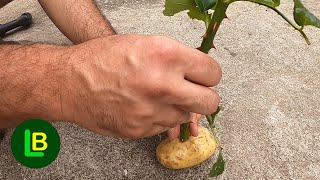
[
  {"x": 2, "y": 133},
  {"x": 23, "y": 22}
]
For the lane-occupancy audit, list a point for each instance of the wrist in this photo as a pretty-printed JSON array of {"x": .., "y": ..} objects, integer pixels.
[
  {"x": 75, "y": 89},
  {"x": 66, "y": 107},
  {"x": 54, "y": 72},
  {"x": 60, "y": 86}
]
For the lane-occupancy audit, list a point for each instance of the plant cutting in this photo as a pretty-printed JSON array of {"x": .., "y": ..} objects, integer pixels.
[{"x": 187, "y": 151}]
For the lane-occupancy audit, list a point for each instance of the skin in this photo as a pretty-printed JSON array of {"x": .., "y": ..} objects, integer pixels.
[
  {"x": 84, "y": 20},
  {"x": 100, "y": 83},
  {"x": 4, "y": 2}
]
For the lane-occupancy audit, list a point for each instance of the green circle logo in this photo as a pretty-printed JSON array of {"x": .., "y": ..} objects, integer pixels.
[{"x": 35, "y": 143}]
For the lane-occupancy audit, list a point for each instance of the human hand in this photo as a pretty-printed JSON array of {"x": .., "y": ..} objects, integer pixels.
[
  {"x": 193, "y": 127},
  {"x": 134, "y": 86}
]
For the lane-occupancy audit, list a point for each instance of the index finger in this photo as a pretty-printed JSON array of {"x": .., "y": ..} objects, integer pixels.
[{"x": 198, "y": 68}]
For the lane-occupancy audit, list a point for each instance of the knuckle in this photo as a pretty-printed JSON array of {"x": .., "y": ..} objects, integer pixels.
[
  {"x": 133, "y": 124},
  {"x": 181, "y": 97},
  {"x": 160, "y": 89},
  {"x": 161, "y": 47},
  {"x": 135, "y": 133},
  {"x": 148, "y": 113},
  {"x": 175, "y": 121},
  {"x": 184, "y": 117},
  {"x": 145, "y": 113},
  {"x": 176, "y": 118},
  {"x": 172, "y": 125}
]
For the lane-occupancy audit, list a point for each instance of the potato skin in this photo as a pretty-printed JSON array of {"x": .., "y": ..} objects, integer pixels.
[{"x": 174, "y": 154}]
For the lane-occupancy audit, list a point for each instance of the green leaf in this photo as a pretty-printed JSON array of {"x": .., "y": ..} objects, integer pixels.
[
  {"x": 214, "y": 7},
  {"x": 173, "y": 7},
  {"x": 271, "y": 3},
  {"x": 217, "y": 167},
  {"x": 265, "y": 2},
  {"x": 196, "y": 14},
  {"x": 276, "y": 3},
  {"x": 205, "y": 5},
  {"x": 303, "y": 16}
]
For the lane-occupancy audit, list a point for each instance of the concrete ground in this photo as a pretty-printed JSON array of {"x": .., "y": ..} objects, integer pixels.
[{"x": 270, "y": 122}]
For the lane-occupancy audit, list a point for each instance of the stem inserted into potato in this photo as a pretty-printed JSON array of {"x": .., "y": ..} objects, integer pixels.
[
  {"x": 200, "y": 9},
  {"x": 176, "y": 155},
  {"x": 184, "y": 132}
]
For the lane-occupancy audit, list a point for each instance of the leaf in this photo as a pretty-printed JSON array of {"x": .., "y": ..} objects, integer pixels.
[
  {"x": 173, "y": 7},
  {"x": 214, "y": 7},
  {"x": 218, "y": 167},
  {"x": 271, "y": 3},
  {"x": 303, "y": 16},
  {"x": 276, "y": 3},
  {"x": 196, "y": 14},
  {"x": 205, "y": 5}
]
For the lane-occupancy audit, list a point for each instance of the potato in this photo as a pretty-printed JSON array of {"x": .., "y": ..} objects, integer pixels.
[{"x": 174, "y": 154}]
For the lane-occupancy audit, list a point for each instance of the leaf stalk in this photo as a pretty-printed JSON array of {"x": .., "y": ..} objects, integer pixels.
[{"x": 294, "y": 25}]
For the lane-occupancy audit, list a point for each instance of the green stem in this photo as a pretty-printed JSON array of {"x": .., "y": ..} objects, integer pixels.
[
  {"x": 304, "y": 36},
  {"x": 218, "y": 16},
  {"x": 215, "y": 136},
  {"x": 295, "y": 26},
  {"x": 208, "y": 20},
  {"x": 207, "y": 43},
  {"x": 184, "y": 132}
]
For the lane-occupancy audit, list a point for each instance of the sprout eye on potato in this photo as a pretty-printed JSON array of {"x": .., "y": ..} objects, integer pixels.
[{"x": 175, "y": 154}]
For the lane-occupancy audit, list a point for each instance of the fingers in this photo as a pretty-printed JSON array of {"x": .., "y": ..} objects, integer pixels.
[
  {"x": 174, "y": 132},
  {"x": 172, "y": 116},
  {"x": 199, "y": 72},
  {"x": 196, "y": 98},
  {"x": 193, "y": 128},
  {"x": 166, "y": 118},
  {"x": 156, "y": 129},
  {"x": 199, "y": 67},
  {"x": 202, "y": 70}
]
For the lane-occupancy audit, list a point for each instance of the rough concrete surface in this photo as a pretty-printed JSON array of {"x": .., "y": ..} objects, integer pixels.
[{"x": 270, "y": 122}]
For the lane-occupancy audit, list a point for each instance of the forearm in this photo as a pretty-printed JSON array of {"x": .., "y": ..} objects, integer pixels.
[
  {"x": 79, "y": 20},
  {"x": 31, "y": 77}
]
